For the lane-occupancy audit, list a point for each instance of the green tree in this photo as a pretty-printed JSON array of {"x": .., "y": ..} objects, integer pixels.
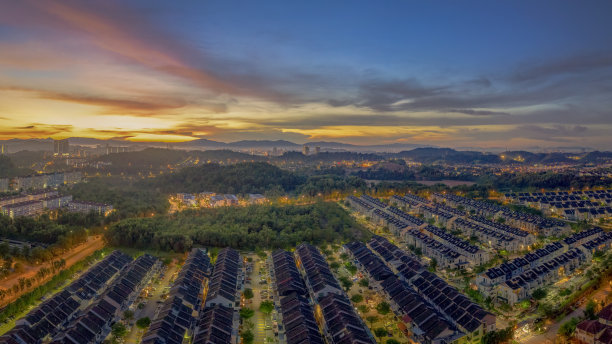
[
  {"x": 590, "y": 310},
  {"x": 248, "y": 293},
  {"x": 433, "y": 265},
  {"x": 247, "y": 337},
  {"x": 567, "y": 329},
  {"x": 383, "y": 308},
  {"x": 364, "y": 282},
  {"x": 371, "y": 319},
  {"x": 128, "y": 314},
  {"x": 380, "y": 332},
  {"x": 143, "y": 323},
  {"x": 246, "y": 313},
  {"x": 539, "y": 294},
  {"x": 357, "y": 298},
  {"x": 266, "y": 307},
  {"x": 119, "y": 330},
  {"x": 392, "y": 341}
]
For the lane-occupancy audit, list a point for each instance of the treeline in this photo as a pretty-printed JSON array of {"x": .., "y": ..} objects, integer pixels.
[
  {"x": 543, "y": 180},
  {"x": 158, "y": 159},
  {"x": 252, "y": 227},
  {"x": 129, "y": 198},
  {"x": 8, "y": 169},
  {"x": 423, "y": 172},
  {"x": 56, "y": 237},
  {"x": 256, "y": 177}
]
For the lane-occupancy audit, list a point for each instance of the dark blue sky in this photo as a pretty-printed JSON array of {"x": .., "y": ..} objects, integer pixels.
[{"x": 457, "y": 73}]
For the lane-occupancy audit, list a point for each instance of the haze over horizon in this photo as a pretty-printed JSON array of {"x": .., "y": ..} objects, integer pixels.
[{"x": 470, "y": 74}]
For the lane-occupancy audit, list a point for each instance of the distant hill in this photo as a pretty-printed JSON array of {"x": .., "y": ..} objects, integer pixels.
[{"x": 439, "y": 155}]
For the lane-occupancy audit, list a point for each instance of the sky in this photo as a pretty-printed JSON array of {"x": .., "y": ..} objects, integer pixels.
[{"x": 514, "y": 74}]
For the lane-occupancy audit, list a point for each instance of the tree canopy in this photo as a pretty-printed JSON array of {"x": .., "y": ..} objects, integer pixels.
[{"x": 252, "y": 227}]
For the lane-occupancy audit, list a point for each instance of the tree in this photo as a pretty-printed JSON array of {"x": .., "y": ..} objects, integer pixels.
[
  {"x": 246, "y": 313},
  {"x": 433, "y": 265},
  {"x": 247, "y": 337},
  {"x": 357, "y": 298},
  {"x": 248, "y": 293},
  {"x": 380, "y": 332},
  {"x": 362, "y": 308},
  {"x": 128, "y": 314},
  {"x": 567, "y": 329},
  {"x": 119, "y": 330},
  {"x": 499, "y": 336},
  {"x": 143, "y": 323},
  {"x": 590, "y": 310},
  {"x": 392, "y": 341},
  {"x": 364, "y": 282},
  {"x": 371, "y": 319},
  {"x": 266, "y": 307},
  {"x": 346, "y": 283},
  {"x": 539, "y": 294},
  {"x": 350, "y": 268},
  {"x": 383, "y": 308}
]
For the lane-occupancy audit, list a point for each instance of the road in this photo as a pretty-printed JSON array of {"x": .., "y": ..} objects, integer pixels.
[
  {"x": 151, "y": 301},
  {"x": 74, "y": 255},
  {"x": 262, "y": 322}
]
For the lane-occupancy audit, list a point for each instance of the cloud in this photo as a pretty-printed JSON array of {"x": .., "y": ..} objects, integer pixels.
[
  {"x": 35, "y": 130},
  {"x": 130, "y": 36},
  {"x": 577, "y": 64},
  {"x": 472, "y": 112}
]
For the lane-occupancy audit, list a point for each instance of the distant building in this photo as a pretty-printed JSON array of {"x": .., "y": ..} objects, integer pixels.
[
  {"x": 257, "y": 199},
  {"x": 4, "y": 184},
  {"x": 72, "y": 177},
  {"x": 317, "y": 149},
  {"x": 223, "y": 200},
  {"x": 86, "y": 207},
  {"x": 61, "y": 147},
  {"x": 56, "y": 202},
  {"x": 117, "y": 149},
  {"x": 305, "y": 150},
  {"x": 34, "y": 182},
  {"x": 27, "y": 208}
]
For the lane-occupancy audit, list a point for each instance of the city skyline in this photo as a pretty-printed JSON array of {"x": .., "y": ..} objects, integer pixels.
[{"x": 475, "y": 74}]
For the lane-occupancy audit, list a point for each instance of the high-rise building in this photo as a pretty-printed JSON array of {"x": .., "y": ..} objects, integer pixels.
[
  {"x": 61, "y": 147},
  {"x": 305, "y": 150},
  {"x": 317, "y": 150}
]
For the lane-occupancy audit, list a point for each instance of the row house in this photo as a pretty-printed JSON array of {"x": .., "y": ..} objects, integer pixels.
[
  {"x": 431, "y": 293},
  {"x": 523, "y": 285},
  {"x": 226, "y": 281},
  {"x": 376, "y": 203},
  {"x": 217, "y": 325},
  {"x": 444, "y": 255},
  {"x": 525, "y": 238},
  {"x": 297, "y": 322},
  {"x": 602, "y": 243},
  {"x": 94, "y": 323},
  {"x": 360, "y": 205},
  {"x": 487, "y": 236},
  {"x": 475, "y": 255},
  {"x": 488, "y": 280},
  {"x": 319, "y": 278},
  {"x": 177, "y": 316}
]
